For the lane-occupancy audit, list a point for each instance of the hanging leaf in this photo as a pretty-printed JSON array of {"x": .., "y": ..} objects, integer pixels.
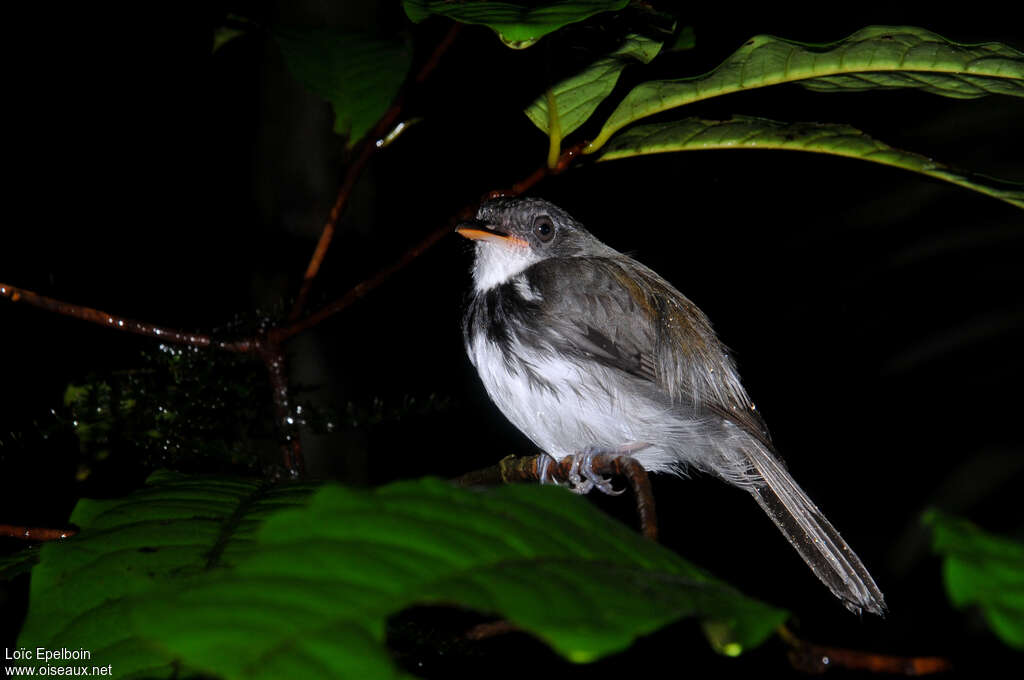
[
  {"x": 576, "y": 98},
  {"x": 240, "y": 580},
  {"x": 225, "y": 34},
  {"x": 877, "y": 57},
  {"x": 983, "y": 570},
  {"x": 693, "y": 134},
  {"x": 517, "y": 26},
  {"x": 686, "y": 39},
  {"x": 235, "y": 27},
  {"x": 358, "y": 75}
]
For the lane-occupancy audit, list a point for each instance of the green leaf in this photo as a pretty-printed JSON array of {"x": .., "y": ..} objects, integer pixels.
[
  {"x": 179, "y": 574},
  {"x": 877, "y": 57},
  {"x": 692, "y": 134},
  {"x": 174, "y": 531},
  {"x": 224, "y": 35},
  {"x": 517, "y": 26},
  {"x": 358, "y": 75},
  {"x": 577, "y": 97},
  {"x": 235, "y": 27},
  {"x": 982, "y": 569},
  {"x": 686, "y": 39}
]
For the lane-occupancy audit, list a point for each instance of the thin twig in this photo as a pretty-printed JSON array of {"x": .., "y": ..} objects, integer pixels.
[
  {"x": 291, "y": 447},
  {"x": 365, "y": 150},
  {"x": 364, "y": 287},
  {"x": 811, "y": 658},
  {"x": 513, "y": 469},
  {"x": 121, "y": 323},
  {"x": 483, "y": 631},
  {"x": 36, "y": 533}
]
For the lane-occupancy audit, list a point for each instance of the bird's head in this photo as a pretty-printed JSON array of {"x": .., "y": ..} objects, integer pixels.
[{"x": 512, "y": 234}]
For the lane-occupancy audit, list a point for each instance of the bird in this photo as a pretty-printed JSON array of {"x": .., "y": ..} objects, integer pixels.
[{"x": 586, "y": 350}]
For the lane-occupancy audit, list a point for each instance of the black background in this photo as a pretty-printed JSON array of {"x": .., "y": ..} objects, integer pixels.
[{"x": 876, "y": 315}]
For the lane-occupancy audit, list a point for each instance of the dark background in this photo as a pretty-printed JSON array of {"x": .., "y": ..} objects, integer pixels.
[{"x": 876, "y": 315}]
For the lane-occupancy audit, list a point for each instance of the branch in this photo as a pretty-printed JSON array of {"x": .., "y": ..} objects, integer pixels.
[
  {"x": 811, "y": 658},
  {"x": 366, "y": 148},
  {"x": 513, "y": 469},
  {"x": 121, "y": 323},
  {"x": 483, "y": 631},
  {"x": 36, "y": 533},
  {"x": 291, "y": 446}
]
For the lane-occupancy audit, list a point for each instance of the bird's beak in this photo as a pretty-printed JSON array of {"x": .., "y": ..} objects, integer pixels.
[{"x": 481, "y": 231}]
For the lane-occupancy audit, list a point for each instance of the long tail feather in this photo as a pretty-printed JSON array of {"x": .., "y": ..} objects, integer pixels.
[{"x": 813, "y": 536}]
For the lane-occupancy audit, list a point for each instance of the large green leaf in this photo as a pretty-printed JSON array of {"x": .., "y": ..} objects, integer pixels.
[
  {"x": 517, "y": 26},
  {"x": 877, "y": 57},
  {"x": 693, "y": 134},
  {"x": 176, "y": 531},
  {"x": 161, "y": 577},
  {"x": 358, "y": 75},
  {"x": 982, "y": 569},
  {"x": 577, "y": 97}
]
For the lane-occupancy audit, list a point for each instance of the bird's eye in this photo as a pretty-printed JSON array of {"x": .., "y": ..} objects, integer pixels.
[{"x": 543, "y": 228}]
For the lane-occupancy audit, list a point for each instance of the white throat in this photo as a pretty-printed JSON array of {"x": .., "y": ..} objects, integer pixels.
[{"x": 498, "y": 263}]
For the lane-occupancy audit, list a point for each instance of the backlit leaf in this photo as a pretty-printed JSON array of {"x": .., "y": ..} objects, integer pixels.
[
  {"x": 877, "y": 57},
  {"x": 983, "y": 570},
  {"x": 518, "y": 26},
  {"x": 577, "y": 97},
  {"x": 694, "y": 134},
  {"x": 239, "y": 579}
]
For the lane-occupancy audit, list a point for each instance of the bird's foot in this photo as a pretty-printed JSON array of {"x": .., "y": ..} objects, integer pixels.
[{"x": 582, "y": 476}]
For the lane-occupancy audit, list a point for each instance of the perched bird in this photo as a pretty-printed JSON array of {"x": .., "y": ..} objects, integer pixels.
[{"x": 588, "y": 351}]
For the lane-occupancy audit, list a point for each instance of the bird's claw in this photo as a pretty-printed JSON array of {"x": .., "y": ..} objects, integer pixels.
[
  {"x": 544, "y": 461},
  {"x": 602, "y": 484},
  {"x": 580, "y": 483},
  {"x": 582, "y": 476}
]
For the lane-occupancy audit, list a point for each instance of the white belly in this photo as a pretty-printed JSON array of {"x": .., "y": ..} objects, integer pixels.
[{"x": 575, "y": 407}]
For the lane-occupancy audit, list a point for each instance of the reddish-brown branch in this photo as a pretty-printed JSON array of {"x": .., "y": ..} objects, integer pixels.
[
  {"x": 364, "y": 151},
  {"x": 366, "y": 286},
  {"x": 483, "y": 631},
  {"x": 121, "y": 323},
  {"x": 524, "y": 469},
  {"x": 291, "y": 448},
  {"x": 36, "y": 533},
  {"x": 811, "y": 658},
  {"x": 638, "y": 479}
]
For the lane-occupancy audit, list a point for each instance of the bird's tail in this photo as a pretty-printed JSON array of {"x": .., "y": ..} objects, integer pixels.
[{"x": 813, "y": 536}]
